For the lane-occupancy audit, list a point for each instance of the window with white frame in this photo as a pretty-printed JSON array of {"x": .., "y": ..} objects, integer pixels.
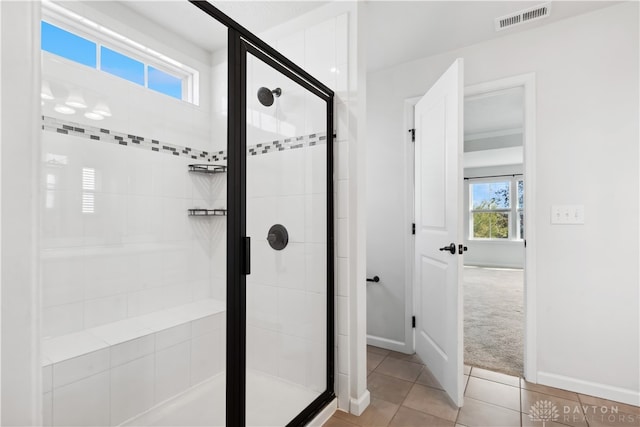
[
  {"x": 520, "y": 209},
  {"x": 65, "y": 34},
  {"x": 492, "y": 213}
]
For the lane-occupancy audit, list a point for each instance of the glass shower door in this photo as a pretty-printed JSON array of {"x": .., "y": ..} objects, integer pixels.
[{"x": 287, "y": 214}]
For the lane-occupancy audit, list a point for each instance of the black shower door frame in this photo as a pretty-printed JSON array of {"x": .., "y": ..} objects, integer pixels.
[{"x": 242, "y": 42}]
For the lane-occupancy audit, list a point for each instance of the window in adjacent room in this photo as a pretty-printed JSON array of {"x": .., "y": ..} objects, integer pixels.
[{"x": 492, "y": 213}]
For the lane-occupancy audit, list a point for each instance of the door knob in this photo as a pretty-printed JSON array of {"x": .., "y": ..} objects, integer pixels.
[{"x": 451, "y": 248}]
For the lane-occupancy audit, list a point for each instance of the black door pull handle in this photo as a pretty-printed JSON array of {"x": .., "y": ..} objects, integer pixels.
[
  {"x": 451, "y": 248},
  {"x": 375, "y": 279},
  {"x": 246, "y": 267}
]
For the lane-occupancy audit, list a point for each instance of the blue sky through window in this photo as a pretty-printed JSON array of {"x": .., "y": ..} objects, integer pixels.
[
  {"x": 81, "y": 50},
  {"x": 164, "y": 82},
  {"x": 491, "y": 191},
  {"x": 121, "y": 65},
  {"x": 68, "y": 45}
]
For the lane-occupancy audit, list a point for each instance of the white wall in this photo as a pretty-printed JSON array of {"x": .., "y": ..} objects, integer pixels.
[
  {"x": 19, "y": 143},
  {"x": 587, "y": 153}
]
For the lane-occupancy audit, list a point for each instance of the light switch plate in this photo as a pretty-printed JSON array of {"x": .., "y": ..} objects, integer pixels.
[{"x": 567, "y": 214}]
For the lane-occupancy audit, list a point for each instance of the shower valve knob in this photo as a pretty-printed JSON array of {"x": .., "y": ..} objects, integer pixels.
[{"x": 278, "y": 237}]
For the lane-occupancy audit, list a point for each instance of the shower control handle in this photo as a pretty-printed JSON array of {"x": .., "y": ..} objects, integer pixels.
[{"x": 278, "y": 237}]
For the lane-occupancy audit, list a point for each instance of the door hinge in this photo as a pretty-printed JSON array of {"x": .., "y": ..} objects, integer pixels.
[
  {"x": 413, "y": 321},
  {"x": 413, "y": 135},
  {"x": 413, "y": 228},
  {"x": 525, "y": 243}
]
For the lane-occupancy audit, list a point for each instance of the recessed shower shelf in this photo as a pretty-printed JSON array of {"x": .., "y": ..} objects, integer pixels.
[
  {"x": 207, "y": 168},
  {"x": 207, "y": 212}
]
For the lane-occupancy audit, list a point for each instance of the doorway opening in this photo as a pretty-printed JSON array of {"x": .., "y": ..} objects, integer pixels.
[
  {"x": 494, "y": 230},
  {"x": 521, "y": 221}
]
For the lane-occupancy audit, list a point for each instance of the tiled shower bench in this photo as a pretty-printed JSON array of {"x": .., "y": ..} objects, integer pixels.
[{"x": 105, "y": 375}]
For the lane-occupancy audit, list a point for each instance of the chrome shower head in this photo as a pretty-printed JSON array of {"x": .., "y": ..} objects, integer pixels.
[{"x": 266, "y": 96}]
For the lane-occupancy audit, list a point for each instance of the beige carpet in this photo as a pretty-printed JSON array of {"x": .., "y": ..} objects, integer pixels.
[{"x": 494, "y": 319}]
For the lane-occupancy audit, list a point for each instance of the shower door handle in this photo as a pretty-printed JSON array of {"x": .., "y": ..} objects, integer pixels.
[{"x": 247, "y": 255}]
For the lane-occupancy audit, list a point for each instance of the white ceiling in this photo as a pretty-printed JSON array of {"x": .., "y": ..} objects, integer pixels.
[
  {"x": 402, "y": 31},
  {"x": 183, "y": 19},
  {"x": 494, "y": 112},
  {"x": 493, "y": 128},
  {"x": 396, "y": 31},
  {"x": 192, "y": 24},
  {"x": 257, "y": 16}
]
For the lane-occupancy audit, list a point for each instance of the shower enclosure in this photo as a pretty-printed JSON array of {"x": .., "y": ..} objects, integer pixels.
[{"x": 187, "y": 221}]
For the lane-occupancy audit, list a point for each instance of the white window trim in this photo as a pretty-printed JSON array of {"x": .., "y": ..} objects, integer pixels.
[
  {"x": 512, "y": 211},
  {"x": 102, "y": 36}
]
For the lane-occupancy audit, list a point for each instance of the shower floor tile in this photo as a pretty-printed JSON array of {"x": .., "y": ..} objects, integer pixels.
[{"x": 270, "y": 402}]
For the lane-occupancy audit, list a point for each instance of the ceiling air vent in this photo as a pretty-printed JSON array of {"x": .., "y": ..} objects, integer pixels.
[{"x": 526, "y": 15}]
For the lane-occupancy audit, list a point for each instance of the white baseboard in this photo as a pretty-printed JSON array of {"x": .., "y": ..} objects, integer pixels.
[
  {"x": 324, "y": 415},
  {"x": 399, "y": 346},
  {"x": 517, "y": 266},
  {"x": 357, "y": 406},
  {"x": 622, "y": 395}
]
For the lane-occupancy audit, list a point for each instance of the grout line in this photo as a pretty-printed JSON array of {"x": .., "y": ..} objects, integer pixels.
[
  {"x": 401, "y": 379},
  {"x": 463, "y": 397},
  {"x": 582, "y": 409},
  {"x": 520, "y": 401},
  {"x": 396, "y": 411},
  {"x": 109, "y": 387},
  {"x": 495, "y": 382}
]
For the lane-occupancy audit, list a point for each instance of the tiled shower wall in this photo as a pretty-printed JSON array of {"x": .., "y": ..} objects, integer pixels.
[
  {"x": 327, "y": 49},
  {"x": 152, "y": 249},
  {"x": 286, "y": 292},
  {"x": 116, "y": 239},
  {"x": 115, "y": 236}
]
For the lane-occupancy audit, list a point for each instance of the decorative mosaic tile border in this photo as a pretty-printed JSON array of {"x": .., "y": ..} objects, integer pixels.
[
  {"x": 287, "y": 144},
  {"x": 53, "y": 124}
]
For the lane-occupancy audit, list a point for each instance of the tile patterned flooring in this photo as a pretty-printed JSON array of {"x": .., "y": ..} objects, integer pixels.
[{"x": 405, "y": 393}]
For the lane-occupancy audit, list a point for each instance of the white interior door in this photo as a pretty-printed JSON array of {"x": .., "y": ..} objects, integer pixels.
[{"x": 438, "y": 198}]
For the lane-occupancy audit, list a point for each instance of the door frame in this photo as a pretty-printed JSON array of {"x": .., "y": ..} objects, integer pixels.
[{"x": 527, "y": 82}]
